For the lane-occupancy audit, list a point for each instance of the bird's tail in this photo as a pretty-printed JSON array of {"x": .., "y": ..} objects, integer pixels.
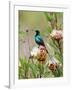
[
  {"x": 45, "y": 47},
  {"x": 46, "y": 50}
]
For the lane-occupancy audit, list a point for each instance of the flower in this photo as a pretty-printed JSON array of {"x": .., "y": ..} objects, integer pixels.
[
  {"x": 34, "y": 52},
  {"x": 39, "y": 53},
  {"x": 42, "y": 54},
  {"x": 57, "y": 34},
  {"x": 53, "y": 64}
]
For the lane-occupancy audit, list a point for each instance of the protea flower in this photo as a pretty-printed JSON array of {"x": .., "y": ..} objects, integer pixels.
[
  {"x": 39, "y": 53},
  {"x": 53, "y": 65},
  {"x": 42, "y": 54},
  {"x": 57, "y": 34},
  {"x": 34, "y": 52}
]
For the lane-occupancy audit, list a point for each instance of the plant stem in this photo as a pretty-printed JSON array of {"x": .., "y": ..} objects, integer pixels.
[{"x": 59, "y": 46}]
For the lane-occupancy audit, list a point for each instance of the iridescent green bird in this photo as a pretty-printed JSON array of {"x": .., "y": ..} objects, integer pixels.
[{"x": 39, "y": 40}]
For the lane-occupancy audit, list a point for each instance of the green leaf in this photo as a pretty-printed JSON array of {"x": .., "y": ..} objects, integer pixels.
[{"x": 49, "y": 17}]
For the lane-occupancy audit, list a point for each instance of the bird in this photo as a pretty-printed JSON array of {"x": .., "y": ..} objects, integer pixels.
[{"x": 39, "y": 40}]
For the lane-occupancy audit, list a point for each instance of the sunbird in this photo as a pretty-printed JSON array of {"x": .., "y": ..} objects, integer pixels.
[{"x": 39, "y": 40}]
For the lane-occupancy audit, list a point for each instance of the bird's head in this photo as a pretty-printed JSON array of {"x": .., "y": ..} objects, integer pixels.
[{"x": 37, "y": 32}]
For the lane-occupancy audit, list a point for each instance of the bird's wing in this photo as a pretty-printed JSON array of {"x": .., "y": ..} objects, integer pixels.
[{"x": 40, "y": 39}]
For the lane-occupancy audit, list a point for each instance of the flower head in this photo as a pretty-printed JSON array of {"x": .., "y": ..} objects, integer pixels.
[
  {"x": 34, "y": 52},
  {"x": 42, "y": 54},
  {"x": 39, "y": 53},
  {"x": 57, "y": 34}
]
